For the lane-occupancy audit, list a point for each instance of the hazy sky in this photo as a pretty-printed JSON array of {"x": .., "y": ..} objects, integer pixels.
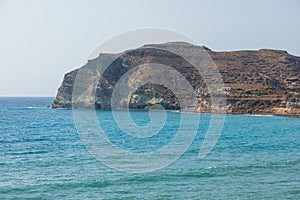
[{"x": 42, "y": 40}]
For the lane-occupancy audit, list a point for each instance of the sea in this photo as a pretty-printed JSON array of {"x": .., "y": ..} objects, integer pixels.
[{"x": 42, "y": 156}]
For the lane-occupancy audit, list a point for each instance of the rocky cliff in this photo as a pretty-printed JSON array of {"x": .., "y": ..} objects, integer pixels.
[{"x": 255, "y": 82}]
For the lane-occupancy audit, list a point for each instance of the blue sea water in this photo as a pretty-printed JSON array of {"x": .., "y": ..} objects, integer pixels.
[{"x": 42, "y": 157}]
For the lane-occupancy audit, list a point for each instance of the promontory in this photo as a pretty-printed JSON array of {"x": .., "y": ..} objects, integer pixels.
[{"x": 261, "y": 81}]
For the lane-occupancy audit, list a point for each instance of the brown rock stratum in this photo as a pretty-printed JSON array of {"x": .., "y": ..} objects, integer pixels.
[{"x": 255, "y": 82}]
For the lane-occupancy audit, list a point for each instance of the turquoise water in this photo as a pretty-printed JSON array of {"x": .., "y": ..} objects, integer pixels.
[{"x": 42, "y": 157}]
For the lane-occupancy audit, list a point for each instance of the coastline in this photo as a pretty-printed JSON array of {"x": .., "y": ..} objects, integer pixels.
[{"x": 196, "y": 112}]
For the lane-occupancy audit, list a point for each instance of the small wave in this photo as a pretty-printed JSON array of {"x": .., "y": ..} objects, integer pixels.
[
  {"x": 199, "y": 174},
  {"x": 28, "y": 152},
  {"x": 36, "y": 107},
  {"x": 175, "y": 111},
  {"x": 266, "y": 165},
  {"x": 258, "y": 115},
  {"x": 25, "y": 108},
  {"x": 212, "y": 167},
  {"x": 264, "y": 115}
]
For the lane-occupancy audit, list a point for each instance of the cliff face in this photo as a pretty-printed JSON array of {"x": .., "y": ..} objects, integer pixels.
[{"x": 255, "y": 82}]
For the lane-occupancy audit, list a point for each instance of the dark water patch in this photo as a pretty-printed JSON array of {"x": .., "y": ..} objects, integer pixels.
[
  {"x": 25, "y": 140},
  {"x": 28, "y": 152},
  {"x": 121, "y": 198},
  {"x": 93, "y": 184},
  {"x": 295, "y": 191},
  {"x": 5, "y": 190},
  {"x": 56, "y": 186}
]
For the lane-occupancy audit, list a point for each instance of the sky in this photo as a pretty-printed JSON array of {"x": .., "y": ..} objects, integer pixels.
[{"x": 42, "y": 40}]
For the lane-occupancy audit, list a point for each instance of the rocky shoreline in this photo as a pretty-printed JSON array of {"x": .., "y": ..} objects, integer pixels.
[{"x": 255, "y": 82}]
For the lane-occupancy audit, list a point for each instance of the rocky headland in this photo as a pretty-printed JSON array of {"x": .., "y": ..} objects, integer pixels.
[{"x": 261, "y": 81}]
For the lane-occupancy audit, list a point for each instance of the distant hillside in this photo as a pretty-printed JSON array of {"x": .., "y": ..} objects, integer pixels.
[{"x": 256, "y": 82}]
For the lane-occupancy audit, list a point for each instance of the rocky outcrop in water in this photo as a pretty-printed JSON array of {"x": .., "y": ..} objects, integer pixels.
[{"x": 255, "y": 82}]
